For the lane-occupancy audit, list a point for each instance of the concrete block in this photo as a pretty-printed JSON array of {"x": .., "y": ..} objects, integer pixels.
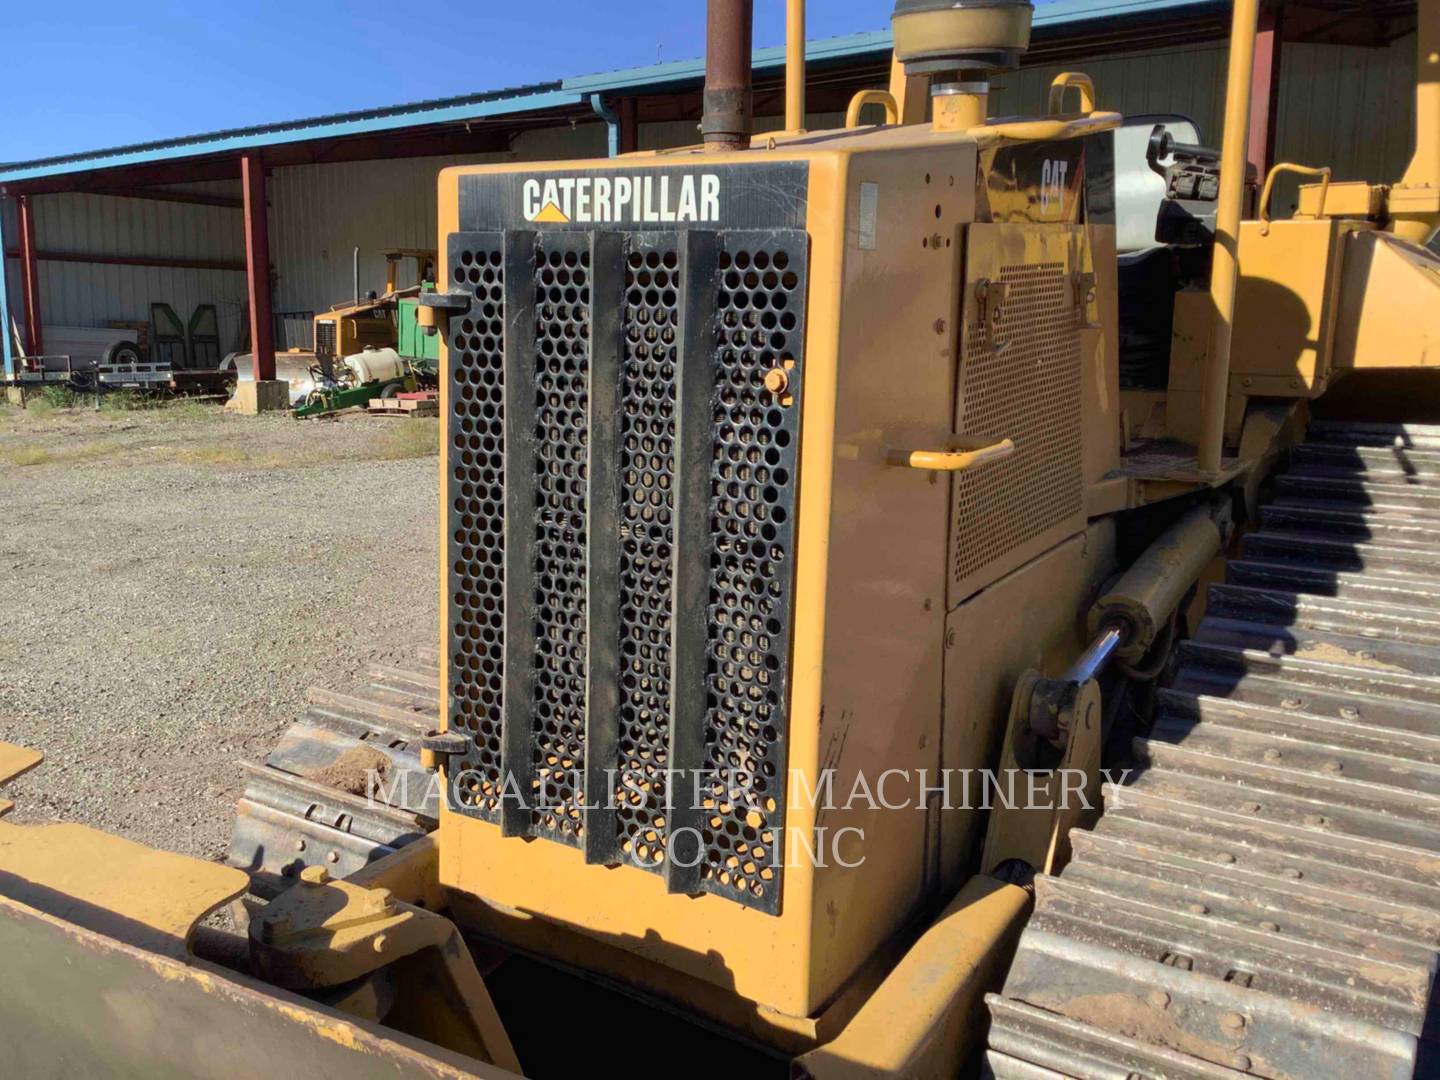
[{"x": 252, "y": 398}]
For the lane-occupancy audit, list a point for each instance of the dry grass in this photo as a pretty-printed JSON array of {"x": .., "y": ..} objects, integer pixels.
[
  {"x": 58, "y": 428},
  {"x": 70, "y": 453},
  {"x": 405, "y": 439}
]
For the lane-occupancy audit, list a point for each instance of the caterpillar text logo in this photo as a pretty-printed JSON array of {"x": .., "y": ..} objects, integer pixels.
[
  {"x": 601, "y": 200},
  {"x": 1052, "y": 187}
]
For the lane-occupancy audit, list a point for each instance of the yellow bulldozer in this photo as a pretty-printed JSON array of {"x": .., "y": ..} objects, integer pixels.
[{"x": 859, "y": 655}]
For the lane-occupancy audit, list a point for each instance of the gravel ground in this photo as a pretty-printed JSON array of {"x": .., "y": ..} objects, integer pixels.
[{"x": 174, "y": 579}]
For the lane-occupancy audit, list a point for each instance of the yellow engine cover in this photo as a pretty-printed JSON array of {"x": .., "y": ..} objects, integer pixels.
[{"x": 696, "y": 601}]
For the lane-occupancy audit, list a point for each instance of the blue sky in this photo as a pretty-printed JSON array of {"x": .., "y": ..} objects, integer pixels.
[{"x": 84, "y": 74}]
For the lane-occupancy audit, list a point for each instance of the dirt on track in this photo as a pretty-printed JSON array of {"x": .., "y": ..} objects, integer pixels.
[{"x": 173, "y": 580}]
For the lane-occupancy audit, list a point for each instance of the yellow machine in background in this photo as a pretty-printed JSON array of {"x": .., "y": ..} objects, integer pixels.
[
  {"x": 370, "y": 322},
  {"x": 798, "y": 495}
]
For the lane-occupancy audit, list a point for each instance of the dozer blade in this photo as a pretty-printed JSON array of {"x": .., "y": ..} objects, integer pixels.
[
  {"x": 1263, "y": 896},
  {"x": 344, "y": 785},
  {"x": 98, "y": 979}
]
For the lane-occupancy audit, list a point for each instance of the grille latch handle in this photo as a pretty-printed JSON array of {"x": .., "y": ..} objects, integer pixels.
[
  {"x": 437, "y": 308},
  {"x": 962, "y": 458}
]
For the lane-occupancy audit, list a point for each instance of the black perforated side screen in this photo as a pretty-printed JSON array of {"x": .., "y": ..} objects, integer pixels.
[{"x": 621, "y": 506}]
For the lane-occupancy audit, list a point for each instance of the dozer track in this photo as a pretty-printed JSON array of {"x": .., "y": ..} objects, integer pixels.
[
  {"x": 1262, "y": 896},
  {"x": 344, "y": 785}
]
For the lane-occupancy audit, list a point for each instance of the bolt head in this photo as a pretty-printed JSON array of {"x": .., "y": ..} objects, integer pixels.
[
  {"x": 777, "y": 380},
  {"x": 1159, "y": 998},
  {"x": 1232, "y": 1022}
]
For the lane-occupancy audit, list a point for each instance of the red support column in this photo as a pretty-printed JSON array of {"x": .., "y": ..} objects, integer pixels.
[
  {"x": 30, "y": 279},
  {"x": 1265, "y": 91},
  {"x": 257, "y": 265}
]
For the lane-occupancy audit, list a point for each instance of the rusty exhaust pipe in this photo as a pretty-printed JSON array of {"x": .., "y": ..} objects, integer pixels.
[{"x": 729, "y": 31}]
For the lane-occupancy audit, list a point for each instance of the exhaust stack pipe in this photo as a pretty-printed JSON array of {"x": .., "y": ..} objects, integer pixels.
[{"x": 729, "y": 31}]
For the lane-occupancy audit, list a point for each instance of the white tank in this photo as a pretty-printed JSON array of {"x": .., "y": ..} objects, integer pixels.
[{"x": 376, "y": 365}]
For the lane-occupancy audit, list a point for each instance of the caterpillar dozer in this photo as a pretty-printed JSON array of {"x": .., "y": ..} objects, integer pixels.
[{"x": 953, "y": 594}]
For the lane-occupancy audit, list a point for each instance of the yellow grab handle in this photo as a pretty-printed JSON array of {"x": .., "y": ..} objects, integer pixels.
[
  {"x": 953, "y": 460},
  {"x": 1303, "y": 170},
  {"x": 1063, "y": 82},
  {"x": 872, "y": 97}
]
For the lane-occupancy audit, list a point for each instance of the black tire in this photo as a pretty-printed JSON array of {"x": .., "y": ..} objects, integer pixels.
[
  {"x": 122, "y": 352},
  {"x": 392, "y": 389}
]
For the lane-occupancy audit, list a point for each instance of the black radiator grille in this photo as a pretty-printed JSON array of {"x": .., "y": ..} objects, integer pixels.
[
  {"x": 619, "y": 465},
  {"x": 476, "y": 520},
  {"x": 752, "y": 485},
  {"x": 647, "y": 545},
  {"x": 561, "y": 384},
  {"x": 325, "y": 338}
]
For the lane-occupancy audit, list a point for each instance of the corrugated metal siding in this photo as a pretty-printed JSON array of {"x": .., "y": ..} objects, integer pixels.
[
  {"x": 320, "y": 213},
  {"x": 1352, "y": 109},
  {"x": 90, "y": 294},
  {"x": 1188, "y": 80}
]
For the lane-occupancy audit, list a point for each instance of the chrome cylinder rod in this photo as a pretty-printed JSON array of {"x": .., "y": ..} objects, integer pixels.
[{"x": 1094, "y": 659}]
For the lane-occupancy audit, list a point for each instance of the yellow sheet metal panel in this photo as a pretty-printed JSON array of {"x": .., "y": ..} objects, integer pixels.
[
  {"x": 1285, "y": 307},
  {"x": 1355, "y": 199},
  {"x": 137, "y": 894},
  {"x": 1389, "y": 313},
  {"x": 922, "y": 1020}
]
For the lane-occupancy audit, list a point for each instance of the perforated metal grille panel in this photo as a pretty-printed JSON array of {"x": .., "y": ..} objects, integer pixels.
[
  {"x": 752, "y": 499},
  {"x": 475, "y": 458},
  {"x": 561, "y": 380},
  {"x": 637, "y": 484},
  {"x": 647, "y": 544},
  {"x": 1021, "y": 380}
]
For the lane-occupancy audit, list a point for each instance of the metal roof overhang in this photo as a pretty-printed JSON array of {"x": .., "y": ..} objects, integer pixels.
[{"x": 1072, "y": 23}]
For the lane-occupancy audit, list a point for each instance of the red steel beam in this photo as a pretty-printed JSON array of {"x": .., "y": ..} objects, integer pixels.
[
  {"x": 1265, "y": 91},
  {"x": 257, "y": 264},
  {"x": 30, "y": 279}
]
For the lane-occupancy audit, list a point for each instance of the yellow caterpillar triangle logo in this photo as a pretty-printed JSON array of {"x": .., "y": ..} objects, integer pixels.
[{"x": 552, "y": 214}]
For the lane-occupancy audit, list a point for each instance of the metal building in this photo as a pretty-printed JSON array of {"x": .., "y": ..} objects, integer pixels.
[{"x": 91, "y": 239}]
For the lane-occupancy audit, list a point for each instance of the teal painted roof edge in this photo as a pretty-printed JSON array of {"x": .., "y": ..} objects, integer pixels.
[{"x": 562, "y": 93}]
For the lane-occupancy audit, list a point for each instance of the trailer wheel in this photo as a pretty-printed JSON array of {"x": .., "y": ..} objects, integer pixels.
[{"x": 122, "y": 352}]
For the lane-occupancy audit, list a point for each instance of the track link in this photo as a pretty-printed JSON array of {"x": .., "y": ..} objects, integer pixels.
[
  {"x": 1263, "y": 896},
  {"x": 344, "y": 785}
]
